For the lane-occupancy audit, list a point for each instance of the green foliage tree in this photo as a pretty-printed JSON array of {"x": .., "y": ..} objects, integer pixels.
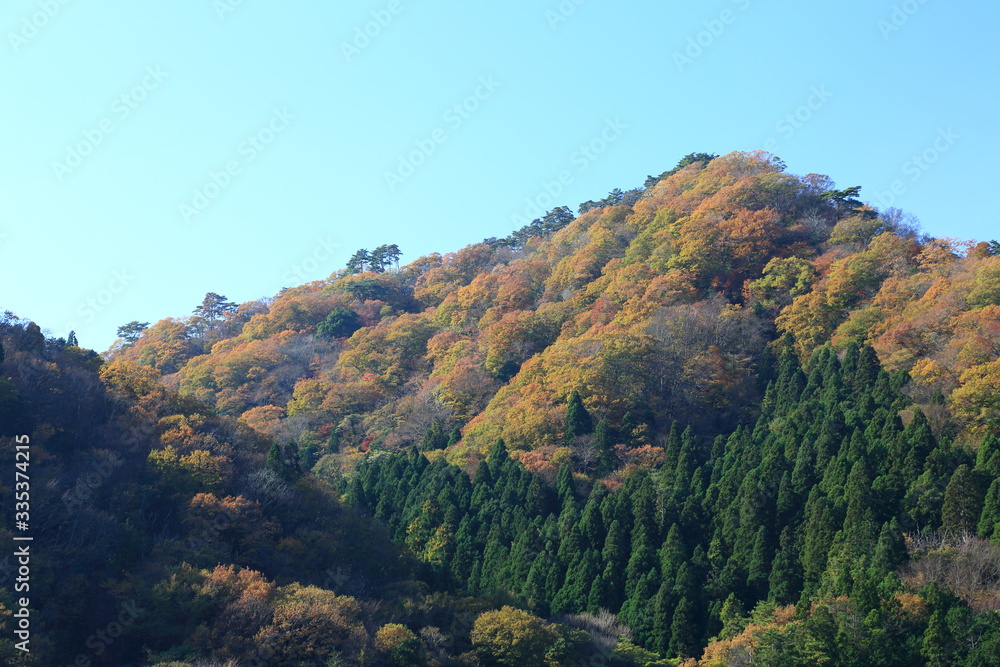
[
  {"x": 513, "y": 638},
  {"x": 846, "y": 201},
  {"x": 938, "y": 643},
  {"x": 548, "y": 224},
  {"x": 131, "y": 332},
  {"x": 398, "y": 644},
  {"x": 988, "y": 455},
  {"x": 434, "y": 437},
  {"x": 732, "y": 617},
  {"x": 604, "y": 441},
  {"x": 341, "y": 322},
  {"x": 276, "y": 462},
  {"x": 963, "y": 502},
  {"x": 292, "y": 458},
  {"x": 683, "y": 632},
  {"x": 989, "y": 520},
  {"x": 578, "y": 420},
  {"x": 359, "y": 261},
  {"x": 213, "y": 308},
  {"x": 384, "y": 257}
]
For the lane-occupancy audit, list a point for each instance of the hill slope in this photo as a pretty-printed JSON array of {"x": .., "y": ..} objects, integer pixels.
[
  {"x": 733, "y": 413},
  {"x": 655, "y": 311}
]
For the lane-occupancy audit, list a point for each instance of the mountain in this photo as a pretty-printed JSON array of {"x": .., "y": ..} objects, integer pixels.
[{"x": 733, "y": 412}]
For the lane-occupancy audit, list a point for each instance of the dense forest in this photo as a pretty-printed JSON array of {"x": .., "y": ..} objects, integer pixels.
[{"x": 732, "y": 417}]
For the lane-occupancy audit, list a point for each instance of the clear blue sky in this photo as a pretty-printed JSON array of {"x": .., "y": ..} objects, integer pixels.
[{"x": 159, "y": 96}]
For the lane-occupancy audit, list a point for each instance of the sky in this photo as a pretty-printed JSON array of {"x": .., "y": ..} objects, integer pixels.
[{"x": 153, "y": 152}]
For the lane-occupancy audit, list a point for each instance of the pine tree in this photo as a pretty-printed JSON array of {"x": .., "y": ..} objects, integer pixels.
[
  {"x": 859, "y": 524},
  {"x": 672, "y": 449},
  {"x": 937, "y": 644},
  {"x": 641, "y": 561},
  {"x": 434, "y": 437},
  {"x": 989, "y": 519},
  {"x": 788, "y": 503},
  {"x": 866, "y": 372},
  {"x": 683, "y": 635},
  {"x": 785, "y": 580},
  {"x": 522, "y": 554},
  {"x": 534, "y": 591},
  {"x": 963, "y": 502},
  {"x": 498, "y": 459},
  {"x": 495, "y": 560},
  {"x": 673, "y": 554},
  {"x": 592, "y": 522},
  {"x": 615, "y": 555},
  {"x": 359, "y": 261},
  {"x": 732, "y": 618},
  {"x": 924, "y": 499},
  {"x": 890, "y": 552},
  {"x": 276, "y": 462},
  {"x": 819, "y": 534},
  {"x": 864, "y": 592},
  {"x": 132, "y": 331},
  {"x": 663, "y": 606},
  {"x": 573, "y": 596},
  {"x": 988, "y": 456},
  {"x": 604, "y": 441},
  {"x": 629, "y": 426},
  {"x": 578, "y": 421},
  {"x": 919, "y": 442},
  {"x": 759, "y": 565},
  {"x": 455, "y": 437},
  {"x": 293, "y": 461},
  {"x": 213, "y": 308},
  {"x": 333, "y": 443},
  {"x": 636, "y": 612},
  {"x": 565, "y": 487}
]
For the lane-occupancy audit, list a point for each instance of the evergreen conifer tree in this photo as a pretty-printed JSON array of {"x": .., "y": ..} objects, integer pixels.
[
  {"x": 989, "y": 520},
  {"x": 578, "y": 421},
  {"x": 434, "y": 437},
  {"x": 276, "y": 462},
  {"x": 963, "y": 502},
  {"x": 604, "y": 441}
]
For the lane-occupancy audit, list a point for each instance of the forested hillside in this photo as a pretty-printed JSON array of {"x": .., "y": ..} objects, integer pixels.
[{"x": 735, "y": 416}]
